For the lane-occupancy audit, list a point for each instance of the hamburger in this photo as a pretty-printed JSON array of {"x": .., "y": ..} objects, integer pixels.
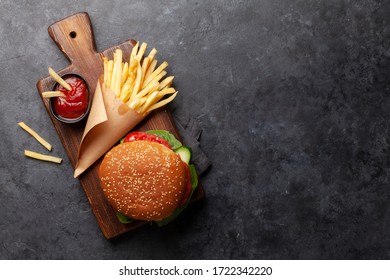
[{"x": 148, "y": 176}]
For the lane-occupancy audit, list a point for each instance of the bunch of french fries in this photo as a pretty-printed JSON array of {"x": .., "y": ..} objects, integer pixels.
[{"x": 138, "y": 82}]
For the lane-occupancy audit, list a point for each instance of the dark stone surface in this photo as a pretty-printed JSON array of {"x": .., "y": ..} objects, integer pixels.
[{"x": 293, "y": 98}]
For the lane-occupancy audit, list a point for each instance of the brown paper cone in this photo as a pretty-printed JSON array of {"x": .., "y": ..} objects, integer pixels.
[{"x": 109, "y": 120}]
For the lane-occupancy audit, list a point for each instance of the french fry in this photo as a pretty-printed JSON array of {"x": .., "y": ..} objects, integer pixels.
[
  {"x": 114, "y": 73},
  {"x": 157, "y": 78},
  {"x": 42, "y": 141},
  {"x": 152, "y": 54},
  {"x": 39, "y": 156},
  {"x": 141, "y": 51},
  {"x": 161, "y": 103},
  {"x": 141, "y": 100},
  {"x": 127, "y": 87},
  {"x": 50, "y": 94},
  {"x": 151, "y": 68},
  {"x": 144, "y": 68},
  {"x": 137, "y": 83},
  {"x": 58, "y": 79},
  {"x": 133, "y": 65},
  {"x": 167, "y": 82},
  {"x": 125, "y": 73},
  {"x": 133, "y": 54},
  {"x": 105, "y": 68},
  {"x": 110, "y": 67},
  {"x": 149, "y": 101},
  {"x": 133, "y": 104},
  {"x": 166, "y": 91},
  {"x": 118, "y": 66},
  {"x": 150, "y": 88}
]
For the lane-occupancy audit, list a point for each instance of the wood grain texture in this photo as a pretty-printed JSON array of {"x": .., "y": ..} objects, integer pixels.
[{"x": 74, "y": 37}]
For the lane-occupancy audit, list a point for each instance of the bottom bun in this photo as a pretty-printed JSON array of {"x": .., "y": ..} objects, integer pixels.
[{"x": 143, "y": 180}]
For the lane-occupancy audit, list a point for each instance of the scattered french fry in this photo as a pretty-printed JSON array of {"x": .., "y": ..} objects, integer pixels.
[
  {"x": 58, "y": 79},
  {"x": 42, "y": 141},
  {"x": 39, "y": 156},
  {"x": 50, "y": 94},
  {"x": 138, "y": 82}
]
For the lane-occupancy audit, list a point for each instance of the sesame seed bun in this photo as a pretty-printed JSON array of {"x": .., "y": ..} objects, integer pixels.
[{"x": 143, "y": 180}]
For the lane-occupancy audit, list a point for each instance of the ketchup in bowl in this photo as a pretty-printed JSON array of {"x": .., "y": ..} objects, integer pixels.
[{"x": 75, "y": 105}]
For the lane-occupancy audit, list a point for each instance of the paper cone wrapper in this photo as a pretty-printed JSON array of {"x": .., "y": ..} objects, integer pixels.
[{"x": 109, "y": 120}]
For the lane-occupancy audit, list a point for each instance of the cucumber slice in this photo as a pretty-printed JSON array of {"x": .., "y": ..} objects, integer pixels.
[
  {"x": 185, "y": 153},
  {"x": 123, "y": 219}
]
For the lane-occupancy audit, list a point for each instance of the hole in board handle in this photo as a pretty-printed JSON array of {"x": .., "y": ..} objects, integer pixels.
[{"x": 73, "y": 34}]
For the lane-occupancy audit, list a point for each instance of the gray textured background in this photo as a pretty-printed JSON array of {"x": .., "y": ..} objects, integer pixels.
[{"x": 293, "y": 98}]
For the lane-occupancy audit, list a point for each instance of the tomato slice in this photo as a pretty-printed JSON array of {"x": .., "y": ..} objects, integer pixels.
[
  {"x": 138, "y": 135},
  {"x": 188, "y": 189}
]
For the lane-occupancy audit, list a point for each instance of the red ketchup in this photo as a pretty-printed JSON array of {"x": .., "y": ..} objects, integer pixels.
[{"x": 75, "y": 104}]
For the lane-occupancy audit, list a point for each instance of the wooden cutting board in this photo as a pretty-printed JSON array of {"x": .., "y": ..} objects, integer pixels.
[{"x": 74, "y": 37}]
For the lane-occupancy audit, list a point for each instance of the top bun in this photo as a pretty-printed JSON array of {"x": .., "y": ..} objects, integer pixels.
[{"x": 143, "y": 180}]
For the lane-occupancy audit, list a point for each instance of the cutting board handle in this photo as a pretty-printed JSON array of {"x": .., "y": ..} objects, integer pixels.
[{"x": 74, "y": 37}]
